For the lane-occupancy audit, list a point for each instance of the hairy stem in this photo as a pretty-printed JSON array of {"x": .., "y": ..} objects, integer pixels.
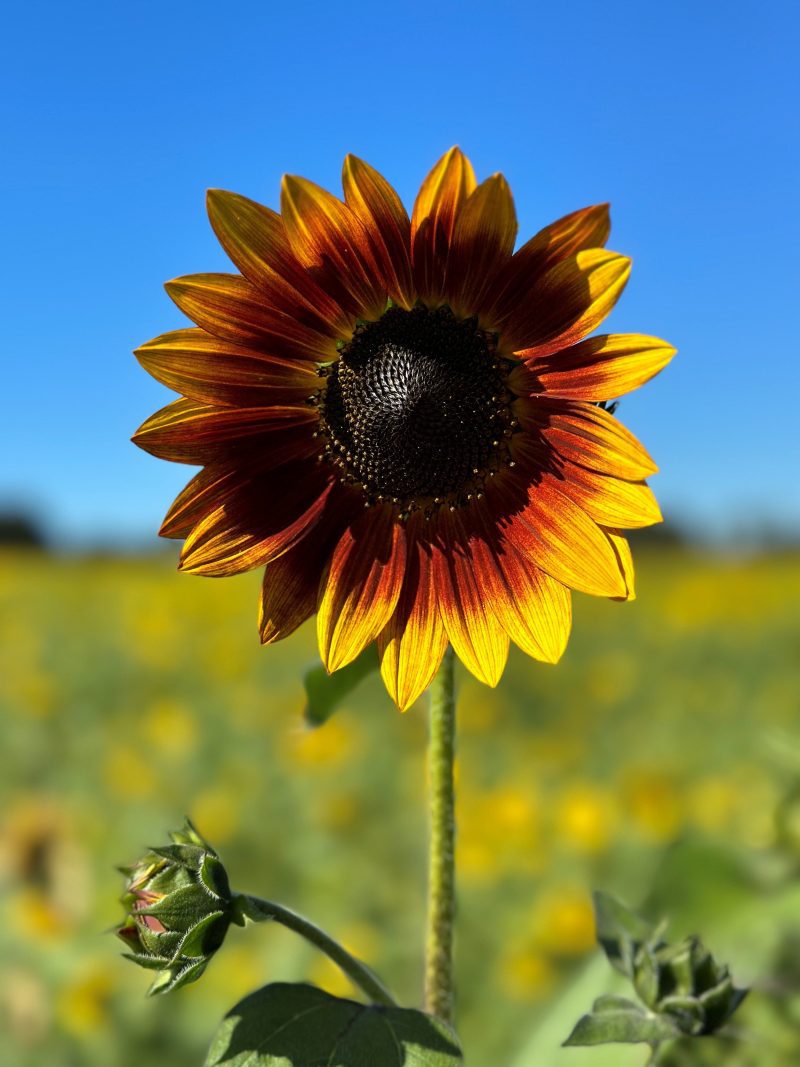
[
  {"x": 441, "y": 876},
  {"x": 258, "y": 910}
]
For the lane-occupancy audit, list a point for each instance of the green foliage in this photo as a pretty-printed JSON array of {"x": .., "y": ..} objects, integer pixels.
[
  {"x": 325, "y": 692},
  {"x": 683, "y": 990},
  {"x": 284, "y": 1025}
]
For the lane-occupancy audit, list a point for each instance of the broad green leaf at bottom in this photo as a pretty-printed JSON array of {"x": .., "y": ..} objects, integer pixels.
[{"x": 285, "y": 1025}]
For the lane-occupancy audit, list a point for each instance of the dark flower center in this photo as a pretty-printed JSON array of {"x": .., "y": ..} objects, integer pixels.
[{"x": 416, "y": 409}]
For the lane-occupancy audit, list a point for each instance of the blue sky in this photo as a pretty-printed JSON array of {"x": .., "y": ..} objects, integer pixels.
[{"x": 116, "y": 118}]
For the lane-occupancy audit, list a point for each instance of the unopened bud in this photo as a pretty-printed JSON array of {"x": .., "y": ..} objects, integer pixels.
[{"x": 178, "y": 906}]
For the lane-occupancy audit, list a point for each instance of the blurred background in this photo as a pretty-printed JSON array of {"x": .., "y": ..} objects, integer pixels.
[{"x": 660, "y": 760}]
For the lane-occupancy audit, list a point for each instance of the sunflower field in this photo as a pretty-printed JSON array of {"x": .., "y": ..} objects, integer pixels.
[{"x": 660, "y": 762}]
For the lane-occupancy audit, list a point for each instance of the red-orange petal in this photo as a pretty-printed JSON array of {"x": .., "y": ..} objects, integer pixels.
[
  {"x": 187, "y": 431},
  {"x": 598, "y": 368},
  {"x": 479, "y": 641},
  {"x": 204, "y": 368},
  {"x": 266, "y": 518},
  {"x": 534, "y": 609},
  {"x": 587, "y": 228},
  {"x": 290, "y": 588},
  {"x": 440, "y": 198},
  {"x": 232, "y": 309},
  {"x": 412, "y": 643},
  {"x": 569, "y": 301},
  {"x": 368, "y": 194},
  {"x": 208, "y": 490},
  {"x": 361, "y": 588},
  {"x": 547, "y": 527},
  {"x": 330, "y": 240},
  {"x": 222, "y": 480},
  {"x": 585, "y": 434},
  {"x": 255, "y": 239},
  {"x": 482, "y": 244}
]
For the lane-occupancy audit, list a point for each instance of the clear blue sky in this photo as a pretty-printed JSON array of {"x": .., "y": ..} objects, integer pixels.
[{"x": 116, "y": 118}]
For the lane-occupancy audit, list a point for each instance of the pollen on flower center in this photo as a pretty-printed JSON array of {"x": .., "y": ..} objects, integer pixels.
[{"x": 416, "y": 408}]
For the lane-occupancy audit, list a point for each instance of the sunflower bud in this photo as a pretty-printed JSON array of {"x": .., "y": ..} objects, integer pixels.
[
  {"x": 685, "y": 982},
  {"x": 179, "y": 906},
  {"x": 685, "y": 993}
]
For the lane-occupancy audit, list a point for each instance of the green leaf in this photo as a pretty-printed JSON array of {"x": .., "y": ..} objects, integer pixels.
[
  {"x": 619, "y": 932},
  {"x": 325, "y": 692},
  {"x": 612, "y": 1002},
  {"x": 284, "y": 1025},
  {"x": 625, "y": 1025}
]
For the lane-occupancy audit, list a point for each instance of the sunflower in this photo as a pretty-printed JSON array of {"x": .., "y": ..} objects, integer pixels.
[{"x": 404, "y": 421}]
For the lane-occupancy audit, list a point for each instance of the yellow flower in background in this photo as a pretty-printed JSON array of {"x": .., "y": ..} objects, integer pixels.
[
  {"x": 563, "y": 921},
  {"x": 83, "y": 1005},
  {"x": 526, "y": 974},
  {"x": 653, "y": 803},
  {"x": 586, "y": 817},
  {"x": 401, "y": 419}
]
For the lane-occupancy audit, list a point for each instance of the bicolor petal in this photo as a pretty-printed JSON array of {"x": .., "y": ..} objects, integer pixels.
[
  {"x": 482, "y": 243},
  {"x": 204, "y": 368},
  {"x": 479, "y": 641},
  {"x": 436, "y": 209},
  {"x": 598, "y": 368},
  {"x": 414, "y": 640},
  {"x": 267, "y": 518},
  {"x": 585, "y": 434},
  {"x": 188, "y": 431},
  {"x": 229, "y": 307},
  {"x": 512, "y": 286},
  {"x": 330, "y": 241},
  {"x": 377, "y": 205},
  {"x": 360, "y": 590},
  {"x": 569, "y": 301}
]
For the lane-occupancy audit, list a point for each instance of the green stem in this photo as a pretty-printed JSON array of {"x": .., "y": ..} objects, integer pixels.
[
  {"x": 258, "y": 910},
  {"x": 654, "y": 1051},
  {"x": 441, "y": 877}
]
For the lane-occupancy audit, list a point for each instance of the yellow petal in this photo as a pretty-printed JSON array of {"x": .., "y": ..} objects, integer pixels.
[
  {"x": 610, "y": 501},
  {"x": 623, "y": 553},
  {"x": 533, "y": 608}
]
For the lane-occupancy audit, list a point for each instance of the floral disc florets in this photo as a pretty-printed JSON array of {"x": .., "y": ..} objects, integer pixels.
[{"x": 416, "y": 409}]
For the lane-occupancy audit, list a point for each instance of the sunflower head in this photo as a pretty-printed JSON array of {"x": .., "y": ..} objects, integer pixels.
[{"x": 401, "y": 419}]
